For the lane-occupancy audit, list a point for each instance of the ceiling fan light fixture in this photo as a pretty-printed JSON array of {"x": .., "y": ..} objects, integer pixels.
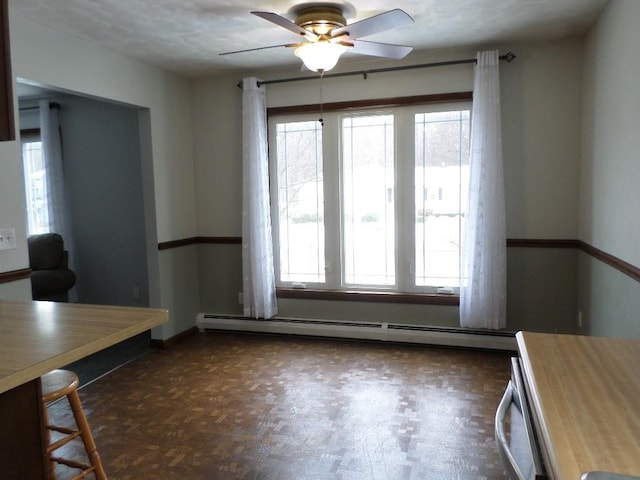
[{"x": 320, "y": 56}]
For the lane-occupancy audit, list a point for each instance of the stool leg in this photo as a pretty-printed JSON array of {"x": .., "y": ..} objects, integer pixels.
[
  {"x": 87, "y": 438},
  {"x": 52, "y": 465}
]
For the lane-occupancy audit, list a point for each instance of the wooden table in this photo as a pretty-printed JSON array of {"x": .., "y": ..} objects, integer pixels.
[
  {"x": 585, "y": 397},
  {"x": 36, "y": 337}
]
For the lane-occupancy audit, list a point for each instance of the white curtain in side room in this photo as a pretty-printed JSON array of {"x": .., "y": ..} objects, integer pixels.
[
  {"x": 59, "y": 215},
  {"x": 54, "y": 167},
  {"x": 258, "y": 278},
  {"x": 59, "y": 221},
  {"x": 484, "y": 264}
]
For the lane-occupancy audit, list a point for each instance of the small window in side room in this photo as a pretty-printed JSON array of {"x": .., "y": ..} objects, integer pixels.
[{"x": 35, "y": 180}]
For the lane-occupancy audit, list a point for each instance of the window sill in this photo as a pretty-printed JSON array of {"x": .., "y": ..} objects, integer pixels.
[{"x": 368, "y": 296}]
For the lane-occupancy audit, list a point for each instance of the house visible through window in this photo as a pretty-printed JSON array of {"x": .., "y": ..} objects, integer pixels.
[
  {"x": 35, "y": 177},
  {"x": 370, "y": 199}
]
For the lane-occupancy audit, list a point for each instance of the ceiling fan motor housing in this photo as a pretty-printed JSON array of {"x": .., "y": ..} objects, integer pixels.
[{"x": 320, "y": 19}]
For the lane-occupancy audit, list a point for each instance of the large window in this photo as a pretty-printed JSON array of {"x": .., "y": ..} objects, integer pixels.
[{"x": 370, "y": 199}]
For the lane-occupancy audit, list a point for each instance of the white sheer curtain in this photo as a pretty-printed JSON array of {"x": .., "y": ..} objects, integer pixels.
[
  {"x": 52, "y": 158},
  {"x": 258, "y": 279},
  {"x": 54, "y": 167},
  {"x": 483, "y": 289},
  {"x": 58, "y": 209}
]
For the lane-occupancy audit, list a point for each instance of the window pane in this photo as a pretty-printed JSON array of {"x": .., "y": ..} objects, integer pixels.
[
  {"x": 300, "y": 202},
  {"x": 442, "y": 164},
  {"x": 368, "y": 200},
  {"x": 36, "y": 187}
]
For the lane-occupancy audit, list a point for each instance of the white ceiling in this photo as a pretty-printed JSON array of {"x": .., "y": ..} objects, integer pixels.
[{"x": 186, "y": 36}]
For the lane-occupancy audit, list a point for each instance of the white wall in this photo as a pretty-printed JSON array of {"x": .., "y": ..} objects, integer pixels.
[
  {"x": 610, "y": 171},
  {"x": 541, "y": 98},
  {"x": 57, "y": 60},
  {"x": 541, "y": 101},
  {"x": 54, "y": 59},
  {"x": 541, "y": 104},
  {"x": 13, "y": 215}
]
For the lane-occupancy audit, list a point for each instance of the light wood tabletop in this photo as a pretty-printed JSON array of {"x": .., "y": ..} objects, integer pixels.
[
  {"x": 585, "y": 397},
  {"x": 36, "y": 337}
]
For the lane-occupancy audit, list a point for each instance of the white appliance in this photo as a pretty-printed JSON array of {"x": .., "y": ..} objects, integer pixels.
[{"x": 515, "y": 434}]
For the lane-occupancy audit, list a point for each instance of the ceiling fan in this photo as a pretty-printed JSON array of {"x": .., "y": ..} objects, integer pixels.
[{"x": 326, "y": 34}]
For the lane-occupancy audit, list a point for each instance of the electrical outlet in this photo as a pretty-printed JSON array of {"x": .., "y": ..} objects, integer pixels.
[
  {"x": 7, "y": 238},
  {"x": 580, "y": 318}
]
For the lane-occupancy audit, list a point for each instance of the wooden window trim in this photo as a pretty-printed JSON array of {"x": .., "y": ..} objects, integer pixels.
[
  {"x": 371, "y": 103},
  {"x": 368, "y": 296}
]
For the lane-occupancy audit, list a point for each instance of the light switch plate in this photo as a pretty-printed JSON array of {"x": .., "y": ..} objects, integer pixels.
[{"x": 7, "y": 238}]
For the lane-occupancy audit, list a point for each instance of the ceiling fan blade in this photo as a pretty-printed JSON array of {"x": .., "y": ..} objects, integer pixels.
[
  {"x": 378, "y": 23},
  {"x": 286, "y": 23},
  {"x": 377, "y": 49},
  {"x": 261, "y": 48}
]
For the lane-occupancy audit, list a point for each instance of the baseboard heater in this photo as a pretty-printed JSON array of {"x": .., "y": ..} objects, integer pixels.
[{"x": 382, "y": 331}]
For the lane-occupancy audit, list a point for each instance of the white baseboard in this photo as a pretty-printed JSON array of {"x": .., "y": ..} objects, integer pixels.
[{"x": 456, "y": 337}]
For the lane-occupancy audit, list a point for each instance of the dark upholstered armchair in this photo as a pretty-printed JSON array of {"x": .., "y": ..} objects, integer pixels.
[{"x": 51, "y": 278}]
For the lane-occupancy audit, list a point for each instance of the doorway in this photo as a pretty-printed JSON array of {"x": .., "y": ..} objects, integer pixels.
[{"x": 108, "y": 185}]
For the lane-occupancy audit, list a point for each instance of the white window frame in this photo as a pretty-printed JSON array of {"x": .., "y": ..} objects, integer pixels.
[
  {"x": 404, "y": 192},
  {"x": 26, "y": 137}
]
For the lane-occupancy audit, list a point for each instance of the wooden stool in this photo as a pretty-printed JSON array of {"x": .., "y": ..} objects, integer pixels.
[{"x": 63, "y": 383}]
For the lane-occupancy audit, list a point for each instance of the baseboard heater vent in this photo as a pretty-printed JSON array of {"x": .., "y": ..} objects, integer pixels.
[{"x": 382, "y": 331}]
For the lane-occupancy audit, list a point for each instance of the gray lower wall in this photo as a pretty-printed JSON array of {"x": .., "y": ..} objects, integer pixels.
[
  {"x": 220, "y": 275},
  {"x": 547, "y": 287},
  {"x": 541, "y": 293},
  {"x": 541, "y": 289},
  {"x": 608, "y": 299},
  {"x": 18, "y": 290},
  {"x": 179, "y": 290}
]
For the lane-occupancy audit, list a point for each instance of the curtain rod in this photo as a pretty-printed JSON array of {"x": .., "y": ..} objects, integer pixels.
[{"x": 508, "y": 57}]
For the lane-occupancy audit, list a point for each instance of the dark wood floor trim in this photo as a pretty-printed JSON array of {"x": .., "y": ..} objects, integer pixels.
[
  {"x": 199, "y": 240},
  {"x": 542, "y": 243},
  {"x": 624, "y": 267},
  {"x": 8, "y": 277},
  {"x": 177, "y": 243},
  {"x": 221, "y": 240},
  {"x": 511, "y": 242},
  {"x": 611, "y": 260},
  {"x": 615, "y": 262},
  {"x": 360, "y": 296},
  {"x": 164, "y": 344}
]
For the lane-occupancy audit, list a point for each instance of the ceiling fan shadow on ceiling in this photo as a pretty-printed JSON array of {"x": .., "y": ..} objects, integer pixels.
[{"x": 326, "y": 34}]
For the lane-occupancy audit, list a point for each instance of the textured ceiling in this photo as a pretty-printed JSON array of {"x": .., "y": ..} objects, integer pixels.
[{"x": 186, "y": 36}]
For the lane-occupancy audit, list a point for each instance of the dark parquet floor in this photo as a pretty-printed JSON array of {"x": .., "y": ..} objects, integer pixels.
[{"x": 232, "y": 406}]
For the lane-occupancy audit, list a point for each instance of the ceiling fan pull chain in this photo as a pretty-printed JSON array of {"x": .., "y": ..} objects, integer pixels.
[{"x": 321, "y": 119}]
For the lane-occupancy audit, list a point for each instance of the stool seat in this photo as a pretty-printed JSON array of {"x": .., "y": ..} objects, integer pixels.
[{"x": 59, "y": 384}]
